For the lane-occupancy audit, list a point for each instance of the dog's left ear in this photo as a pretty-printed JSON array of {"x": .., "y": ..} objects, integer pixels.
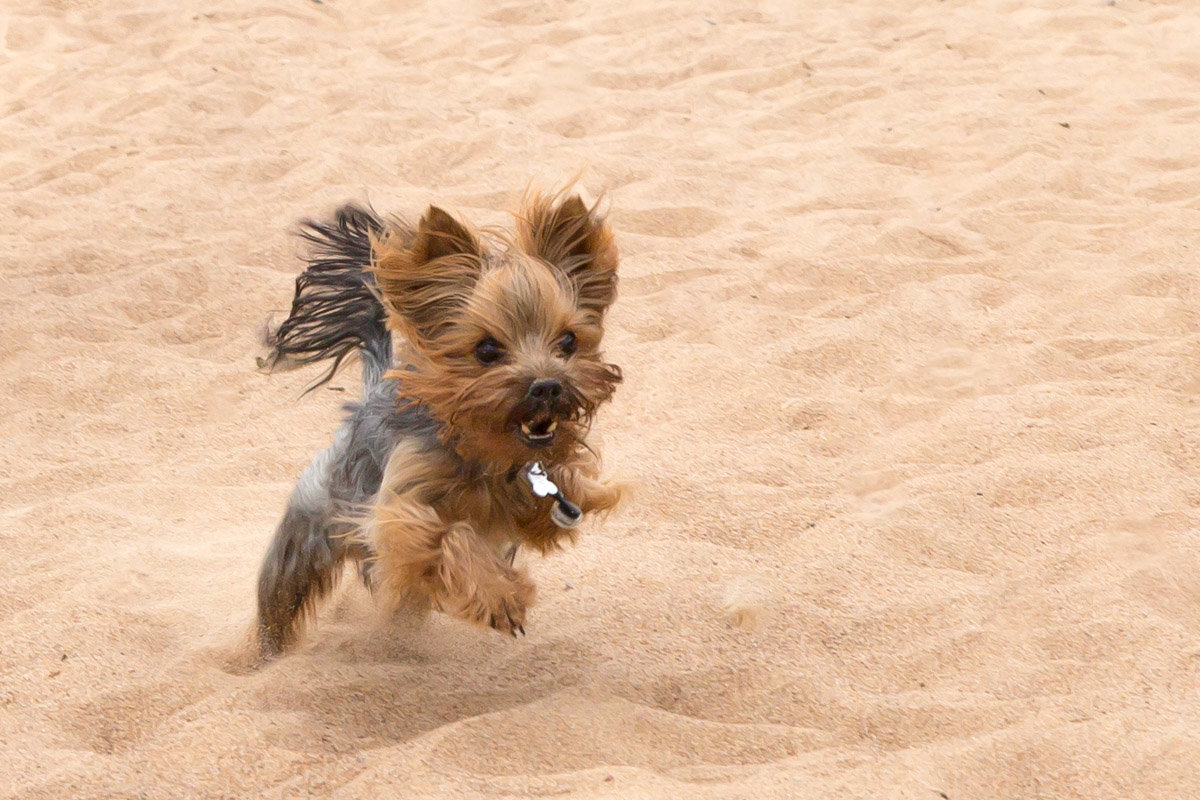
[{"x": 574, "y": 239}]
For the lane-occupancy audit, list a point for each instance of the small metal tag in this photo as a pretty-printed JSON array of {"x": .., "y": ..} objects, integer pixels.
[{"x": 564, "y": 513}]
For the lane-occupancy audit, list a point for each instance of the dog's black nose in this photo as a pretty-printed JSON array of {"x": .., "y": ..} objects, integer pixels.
[{"x": 547, "y": 390}]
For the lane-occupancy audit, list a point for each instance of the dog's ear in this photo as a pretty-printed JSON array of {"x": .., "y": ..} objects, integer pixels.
[
  {"x": 425, "y": 277},
  {"x": 440, "y": 235},
  {"x": 573, "y": 238}
]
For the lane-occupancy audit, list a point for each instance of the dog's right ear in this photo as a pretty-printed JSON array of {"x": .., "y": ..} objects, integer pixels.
[
  {"x": 425, "y": 277},
  {"x": 440, "y": 235}
]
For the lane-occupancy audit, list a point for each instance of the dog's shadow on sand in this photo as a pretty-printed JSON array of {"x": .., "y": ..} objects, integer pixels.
[{"x": 356, "y": 688}]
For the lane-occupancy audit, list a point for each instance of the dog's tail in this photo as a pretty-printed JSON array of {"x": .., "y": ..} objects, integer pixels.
[{"x": 336, "y": 310}]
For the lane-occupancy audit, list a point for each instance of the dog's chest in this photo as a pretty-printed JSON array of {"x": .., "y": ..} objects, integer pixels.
[{"x": 502, "y": 510}]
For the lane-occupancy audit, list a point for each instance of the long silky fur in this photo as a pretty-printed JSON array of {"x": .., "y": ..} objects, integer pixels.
[{"x": 336, "y": 310}]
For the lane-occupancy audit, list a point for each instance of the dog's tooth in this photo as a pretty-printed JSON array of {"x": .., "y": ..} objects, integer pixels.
[
  {"x": 550, "y": 428},
  {"x": 525, "y": 428}
]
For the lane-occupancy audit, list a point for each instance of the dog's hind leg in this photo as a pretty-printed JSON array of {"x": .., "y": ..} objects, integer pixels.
[{"x": 304, "y": 560}]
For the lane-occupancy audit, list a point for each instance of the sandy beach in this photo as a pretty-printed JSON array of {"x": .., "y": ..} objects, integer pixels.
[{"x": 910, "y": 325}]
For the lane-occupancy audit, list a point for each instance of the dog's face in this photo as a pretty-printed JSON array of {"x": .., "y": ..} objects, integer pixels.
[{"x": 507, "y": 342}]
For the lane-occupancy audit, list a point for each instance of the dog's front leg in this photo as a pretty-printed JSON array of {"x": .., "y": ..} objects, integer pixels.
[
  {"x": 593, "y": 494},
  {"x": 449, "y": 564},
  {"x": 579, "y": 481},
  {"x": 536, "y": 526}
]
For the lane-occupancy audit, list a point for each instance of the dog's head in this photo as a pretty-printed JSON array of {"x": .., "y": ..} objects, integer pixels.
[{"x": 506, "y": 341}]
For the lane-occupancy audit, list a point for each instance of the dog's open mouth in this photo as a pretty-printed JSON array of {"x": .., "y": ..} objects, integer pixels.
[{"x": 538, "y": 429}]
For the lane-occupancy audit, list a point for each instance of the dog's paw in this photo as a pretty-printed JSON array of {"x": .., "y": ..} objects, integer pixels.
[
  {"x": 506, "y": 610},
  {"x": 507, "y": 623}
]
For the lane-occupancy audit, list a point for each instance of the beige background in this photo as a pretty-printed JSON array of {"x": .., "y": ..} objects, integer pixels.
[{"x": 909, "y": 324}]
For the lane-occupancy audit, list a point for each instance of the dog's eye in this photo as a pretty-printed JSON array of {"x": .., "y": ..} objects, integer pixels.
[
  {"x": 567, "y": 344},
  {"x": 488, "y": 351}
]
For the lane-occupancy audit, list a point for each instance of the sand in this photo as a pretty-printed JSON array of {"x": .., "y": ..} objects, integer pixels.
[{"x": 911, "y": 328}]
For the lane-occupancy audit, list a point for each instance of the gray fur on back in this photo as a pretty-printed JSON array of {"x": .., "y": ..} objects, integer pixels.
[{"x": 370, "y": 433}]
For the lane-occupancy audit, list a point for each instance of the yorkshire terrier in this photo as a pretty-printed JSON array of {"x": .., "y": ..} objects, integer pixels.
[{"x": 470, "y": 437}]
